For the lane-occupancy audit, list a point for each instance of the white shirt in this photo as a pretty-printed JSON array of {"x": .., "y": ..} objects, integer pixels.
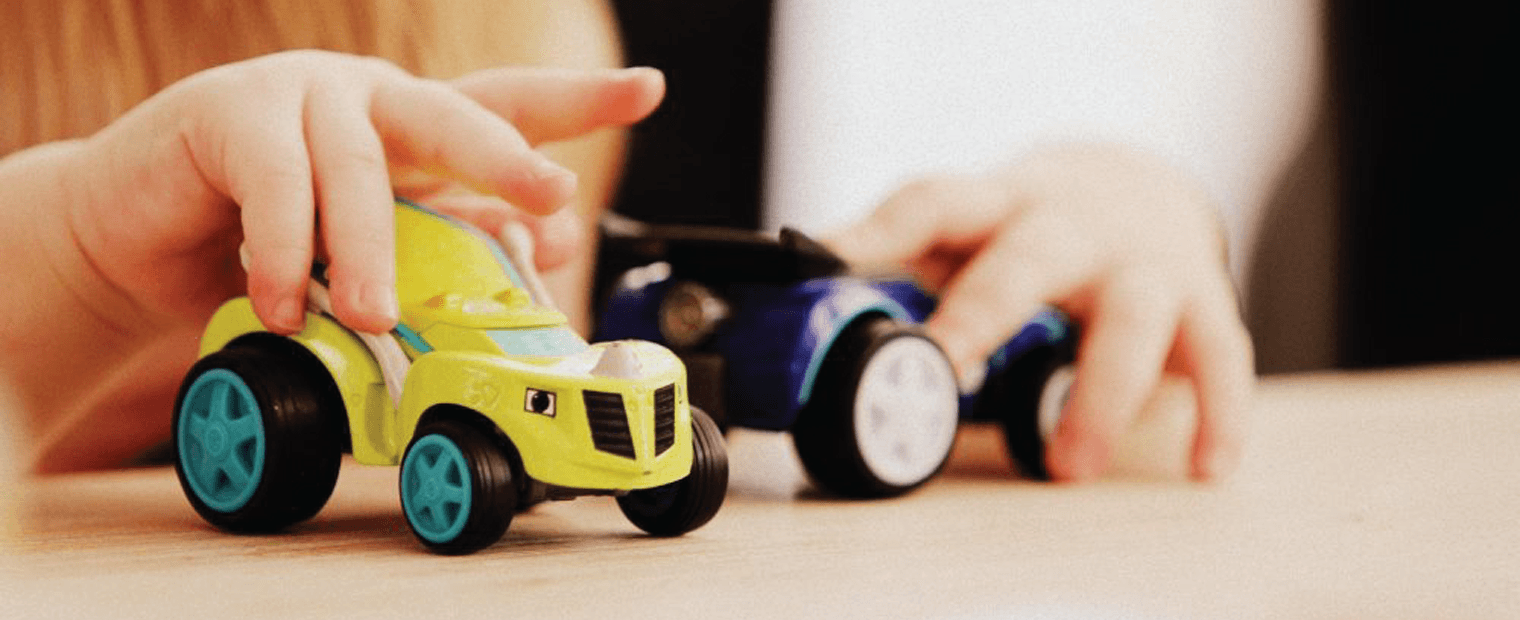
[{"x": 868, "y": 94}]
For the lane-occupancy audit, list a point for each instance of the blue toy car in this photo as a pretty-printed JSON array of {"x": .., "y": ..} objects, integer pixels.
[{"x": 777, "y": 336}]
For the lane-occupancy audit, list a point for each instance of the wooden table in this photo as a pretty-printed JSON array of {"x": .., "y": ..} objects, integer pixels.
[{"x": 1379, "y": 495}]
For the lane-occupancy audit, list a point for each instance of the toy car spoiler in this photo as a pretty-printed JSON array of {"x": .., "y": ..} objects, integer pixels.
[{"x": 712, "y": 254}]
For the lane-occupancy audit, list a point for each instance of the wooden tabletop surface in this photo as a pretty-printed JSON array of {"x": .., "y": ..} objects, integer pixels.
[{"x": 1393, "y": 494}]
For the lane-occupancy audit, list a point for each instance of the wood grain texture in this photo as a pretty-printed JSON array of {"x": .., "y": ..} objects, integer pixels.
[{"x": 1386, "y": 495}]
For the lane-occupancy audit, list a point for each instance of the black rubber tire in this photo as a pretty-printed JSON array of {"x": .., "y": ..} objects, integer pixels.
[
  {"x": 824, "y": 433},
  {"x": 303, "y": 426},
  {"x": 689, "y": 503},
  {"x": 492, "y": 484},
  {"x": 1012, "y": 397}
]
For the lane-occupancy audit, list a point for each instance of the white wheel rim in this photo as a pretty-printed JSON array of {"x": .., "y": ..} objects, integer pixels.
[{"x": 906, "y": 409}]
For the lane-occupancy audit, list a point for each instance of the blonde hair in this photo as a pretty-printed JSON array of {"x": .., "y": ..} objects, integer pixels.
[{"x": 74, "y": 65}]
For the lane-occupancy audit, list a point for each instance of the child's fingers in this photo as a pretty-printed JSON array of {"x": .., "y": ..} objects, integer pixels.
[
  {"x": 557, "y": 237},
  {"x": 1216, "y": 350},
  {"x": 1128, "y": 335},
  {"x": 1027, "y": 264},
  {"x": 354, "y": 193},
  {"x": 437, "y": 127},
  {"x": 982, "y": 305},
  {"x": 969, "y": 232},
  {"x": 260, "y": 162},
  {"x": 548, "y": 104}
]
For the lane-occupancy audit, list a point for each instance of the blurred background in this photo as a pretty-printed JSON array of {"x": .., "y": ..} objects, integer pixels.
[{"x": 1357, "y": 150}]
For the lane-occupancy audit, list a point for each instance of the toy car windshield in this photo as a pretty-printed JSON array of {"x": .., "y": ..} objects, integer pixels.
[{"x": 556, "y": 341}]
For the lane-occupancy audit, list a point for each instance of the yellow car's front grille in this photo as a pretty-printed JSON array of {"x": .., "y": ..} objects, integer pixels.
[
  {"x": 608, "y": 417},
  {"x": 664, "y": 418},
  {"x": 609, "y": 423}
]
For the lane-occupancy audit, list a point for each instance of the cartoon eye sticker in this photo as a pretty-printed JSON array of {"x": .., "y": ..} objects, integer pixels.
[{"x": 539, "y": 401}]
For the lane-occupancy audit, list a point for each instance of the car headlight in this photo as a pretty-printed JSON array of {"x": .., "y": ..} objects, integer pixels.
[{"x": 689, "y": 314}]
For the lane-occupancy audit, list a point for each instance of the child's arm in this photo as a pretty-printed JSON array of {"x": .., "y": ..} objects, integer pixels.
[
  {"x": 1127, "y": 246},
  {"x": 115, "y": 243}
]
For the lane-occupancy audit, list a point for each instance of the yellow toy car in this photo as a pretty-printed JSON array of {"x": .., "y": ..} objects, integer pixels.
[{"x": 483, "y": 394}]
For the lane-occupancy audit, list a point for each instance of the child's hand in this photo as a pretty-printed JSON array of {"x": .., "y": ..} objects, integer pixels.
[
  {"x": 1123, "y": 244},
  {"x": 118, "y": 247},
  {"x": 301, "y": 151}
]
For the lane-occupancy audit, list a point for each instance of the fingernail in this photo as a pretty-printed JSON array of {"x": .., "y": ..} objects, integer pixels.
[
  {"x": 380, "y": 301},
  {"x": 289, "y": 314},
  {"x": 971, "y": 375},
  {"x": 970, "y": 369},
  {"x": 560, "y": 180},
  {"x": 548, "y": 170}
]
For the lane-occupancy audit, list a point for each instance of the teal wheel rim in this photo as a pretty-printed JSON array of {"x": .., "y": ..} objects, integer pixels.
[
  {"x": 221, "y": 440},
  {"x": 435, "y": 488}
]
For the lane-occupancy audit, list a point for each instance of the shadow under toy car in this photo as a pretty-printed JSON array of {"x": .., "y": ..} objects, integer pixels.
[
  {"x": 483, "y": 394},
  {"x": 777, "y": 336}
]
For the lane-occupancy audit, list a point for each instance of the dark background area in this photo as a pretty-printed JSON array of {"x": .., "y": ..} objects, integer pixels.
[
  {"x": 697, "y": 159},
  {"x": 1425, "y": 116}
]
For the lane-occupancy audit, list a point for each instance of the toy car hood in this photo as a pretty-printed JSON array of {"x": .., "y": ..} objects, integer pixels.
[{"x": 450, "y": 272}]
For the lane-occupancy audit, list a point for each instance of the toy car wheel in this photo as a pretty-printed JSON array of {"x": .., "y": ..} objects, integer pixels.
[
  {"x": 883, "y": 414},
  {"x": 258, "y": 436},
  {"x": 1027, "y": 397},
  {"x": 689, "y": 503},
  {"x": 457, "y": 488}
]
